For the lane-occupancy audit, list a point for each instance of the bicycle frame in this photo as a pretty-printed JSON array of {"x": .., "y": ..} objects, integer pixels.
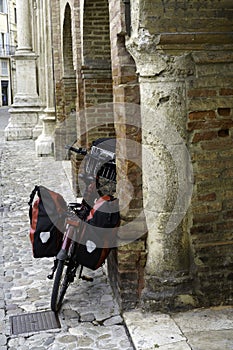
[
  {"x": 63, "y": 253},
  {"x": 72, "y": 227}
]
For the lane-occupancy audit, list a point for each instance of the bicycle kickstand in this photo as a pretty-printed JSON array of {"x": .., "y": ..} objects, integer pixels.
[
  {"x": 50, "y": 277},
  {"x": 83, "y": 277}
]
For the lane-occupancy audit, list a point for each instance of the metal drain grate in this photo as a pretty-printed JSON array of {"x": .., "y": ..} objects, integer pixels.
[{"x": 34, "y": 322}]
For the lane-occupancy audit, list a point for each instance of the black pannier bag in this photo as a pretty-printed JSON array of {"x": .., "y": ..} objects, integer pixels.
[
  {"x": 47, "y": 221},
  {"x": 98, "y": 234}
]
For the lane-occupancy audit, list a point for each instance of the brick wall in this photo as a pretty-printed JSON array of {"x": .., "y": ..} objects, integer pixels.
[
  {"x": 210, "y": 124},
  {"x": 56, "y": 39},
  {"x": 126, "y": 272},
  {"x": 172, "y": 16},
  {"x": 96, "y": 74},
  {"x": 204, "y": 31},
  {"x": 94, "y": 101},
  {"x": 96, "y": 42},
  {"x": 201, "y": 31},
  {"x": 126, "y": 264}
]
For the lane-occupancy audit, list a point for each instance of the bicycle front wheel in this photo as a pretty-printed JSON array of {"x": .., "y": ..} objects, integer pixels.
[{"x": 60, "y": 285}]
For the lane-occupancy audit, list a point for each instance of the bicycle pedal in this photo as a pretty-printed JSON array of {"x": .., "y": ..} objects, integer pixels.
[{"x": 87, "y": 278}]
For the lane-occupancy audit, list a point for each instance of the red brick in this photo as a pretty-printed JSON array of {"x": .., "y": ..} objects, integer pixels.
[
  {"x": 210, "y": 124},
  {"x": 219, "y": 144},
  {"x": 201, "y": 93},
  {"x": 202, "y": 115},
  {"x": 209, "y": 135},
  {"x": 207, "y": 176},
  {"x": 207, "y": 197},
  {"x": 226, "y": 92},
  {"x": 211, "y": 207},
  {"x": 205, "y": 218}
]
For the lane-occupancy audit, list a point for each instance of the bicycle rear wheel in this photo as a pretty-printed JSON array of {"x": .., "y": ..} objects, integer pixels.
[{"x": 64, "y": 276}]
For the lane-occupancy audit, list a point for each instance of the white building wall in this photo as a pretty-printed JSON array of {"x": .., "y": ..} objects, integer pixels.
[{"x": 8, "y": 40}]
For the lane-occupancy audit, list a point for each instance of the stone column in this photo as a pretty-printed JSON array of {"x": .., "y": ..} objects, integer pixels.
[
  {"x": 24, "y": 35},
  {"x": 167, "y": 172},
  {"x": 26, "y": 104},
  {"x": 45, "y": 142}
]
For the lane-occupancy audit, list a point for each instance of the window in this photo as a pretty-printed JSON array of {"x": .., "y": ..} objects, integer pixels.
[
  {"x": 2, "y": 5},
  {"x": 15, "y": 15},
  {"x": 4, "y": 68},
  {"x": 2, "y": 40}
]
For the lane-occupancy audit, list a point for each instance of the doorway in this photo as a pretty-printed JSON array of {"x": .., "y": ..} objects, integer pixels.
[{"x": 4, "y": 85}]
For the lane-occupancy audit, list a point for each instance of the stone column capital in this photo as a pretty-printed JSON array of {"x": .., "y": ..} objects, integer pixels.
[{"x": 152, "y": 61}]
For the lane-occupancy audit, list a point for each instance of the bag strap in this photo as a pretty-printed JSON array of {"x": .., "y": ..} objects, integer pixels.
[
  {"x": 32, "y": 195},
  {"x": 97, "y": 205}
]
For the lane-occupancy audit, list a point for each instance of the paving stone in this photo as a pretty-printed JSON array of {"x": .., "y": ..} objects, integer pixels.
[
  {"x": 152, "y": 330},
  {"x": 181, "y": 345},
  {"x": 66, "y": 339},
  {"x": 215, "y": 318},
  {"x": 113, "y": 321},
  {"x": 87, "y": 317},
  {"x": 3, "y": 339},
  {"x": 214, "y": 340}
]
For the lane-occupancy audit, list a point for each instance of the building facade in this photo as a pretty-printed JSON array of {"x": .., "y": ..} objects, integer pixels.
[
  {"x": 8, "y": 41},
  {"x": 158, "y": 76}
]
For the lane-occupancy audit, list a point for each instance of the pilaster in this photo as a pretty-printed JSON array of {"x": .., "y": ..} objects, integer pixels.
[
  {"x": 47, "y": 119},
  {"x": 26, "y": 104},
  {"x": 167, "y": 172},
  {"x": 45, "y": 142}
]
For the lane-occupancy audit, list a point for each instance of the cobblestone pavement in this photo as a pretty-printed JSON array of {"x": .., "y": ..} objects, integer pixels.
[{"x": 90, "y": 317}]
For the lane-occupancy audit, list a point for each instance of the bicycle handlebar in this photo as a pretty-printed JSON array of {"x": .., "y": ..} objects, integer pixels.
[{"x": 80, "y": 150}]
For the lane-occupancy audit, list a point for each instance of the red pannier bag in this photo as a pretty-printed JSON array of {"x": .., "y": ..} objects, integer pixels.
[{"x": 47, "y": 216}]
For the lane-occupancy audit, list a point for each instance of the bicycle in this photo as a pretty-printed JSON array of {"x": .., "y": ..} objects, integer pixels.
[{"x": 99, "y": 178}]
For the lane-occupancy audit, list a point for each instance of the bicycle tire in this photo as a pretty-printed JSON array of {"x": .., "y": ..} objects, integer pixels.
[{"x": 60, "y": 285}]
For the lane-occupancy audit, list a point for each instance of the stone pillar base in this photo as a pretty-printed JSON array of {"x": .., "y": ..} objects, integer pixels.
[
  {"x": 21, "y": 123},
  {"x": 172, "y": 293},
  {"x": 38, "y": 129},
  {"x": 44, "y": 146},
  {"x": 45, "y": 142}
]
